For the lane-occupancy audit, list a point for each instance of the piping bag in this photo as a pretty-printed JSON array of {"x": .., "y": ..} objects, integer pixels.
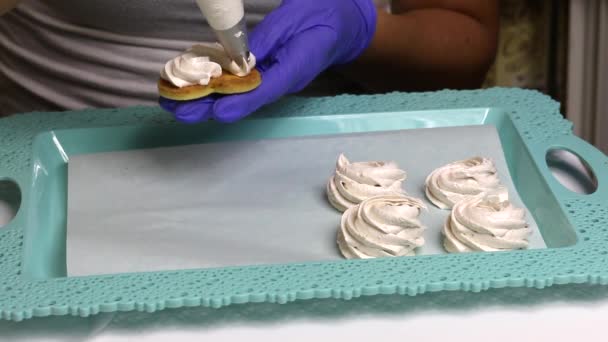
[{"x": 227, "y": 19}]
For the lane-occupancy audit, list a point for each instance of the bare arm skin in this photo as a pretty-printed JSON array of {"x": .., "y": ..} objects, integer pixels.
[{"x": 429, "y": 45}]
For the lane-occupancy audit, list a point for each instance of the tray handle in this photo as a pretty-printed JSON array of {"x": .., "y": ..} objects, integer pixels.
[
  {"x": 593, "y": 180},
  {"x": 10, "y": 202}
]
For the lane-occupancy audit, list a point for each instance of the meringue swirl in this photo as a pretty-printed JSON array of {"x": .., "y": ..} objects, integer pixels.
[
  {"x": 487, "y": 222},
  {"x": 354, "y": 182},
  {"x": 460, "y": 180},
  {"x": 381, "y": 226},
  {"x": 199, "y": 64}
]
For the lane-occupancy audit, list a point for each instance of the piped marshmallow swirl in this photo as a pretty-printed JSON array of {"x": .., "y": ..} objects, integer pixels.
[
  {"x": 353, "y": 183},
  {"x": 460, "y": 180},
  {"x": 486, "y": 222},
  {"x": 199, "y": 64},
  {"x": 381, "y": 226}
]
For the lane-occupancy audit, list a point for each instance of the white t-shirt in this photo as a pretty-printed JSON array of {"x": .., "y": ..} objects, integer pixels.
[{"x": 73, "y": 54}]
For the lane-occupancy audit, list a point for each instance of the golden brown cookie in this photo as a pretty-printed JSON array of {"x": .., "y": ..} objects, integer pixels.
[{"x": 225, "y": 84}]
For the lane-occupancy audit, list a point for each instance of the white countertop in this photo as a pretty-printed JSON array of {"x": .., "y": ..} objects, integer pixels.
[{"x": 563, "y": 313}]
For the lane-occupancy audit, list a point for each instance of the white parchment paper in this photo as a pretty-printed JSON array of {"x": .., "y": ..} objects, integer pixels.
[{"x": 243, "y": 203}]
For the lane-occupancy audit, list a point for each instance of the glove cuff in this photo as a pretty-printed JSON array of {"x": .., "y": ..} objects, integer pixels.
[{"x": 368, "y": 12}]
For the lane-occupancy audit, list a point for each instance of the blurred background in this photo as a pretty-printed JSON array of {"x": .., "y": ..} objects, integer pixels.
[{"x": 558, "y": 47}]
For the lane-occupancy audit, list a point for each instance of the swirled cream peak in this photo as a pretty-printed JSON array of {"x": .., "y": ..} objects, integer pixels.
[
  {"x": 199, "y": 64},
  {"x": 354, "y": 182},
  {"x": 459, "y": 180},
  {"x": 381, "y": 226},
  {"x": 486, "y": 222}
]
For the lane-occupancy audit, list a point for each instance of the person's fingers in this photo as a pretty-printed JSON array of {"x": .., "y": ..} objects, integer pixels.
[
  {"x": 297, "y": 63},
  {"x": 306, "y": 55},
  {"x": 278, "y": 27},
  {"x": 268, "y": 35},
  {"x": 189, "y": 111}
]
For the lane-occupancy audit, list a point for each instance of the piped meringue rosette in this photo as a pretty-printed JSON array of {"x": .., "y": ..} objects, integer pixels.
[
  {"x": 353, "y": 183},
  {"x": 460, "y": 180},
  {"x": 199, "y": 64},
  {"x": 487, "y": 222},
  {"x": 381, "y": 226}
]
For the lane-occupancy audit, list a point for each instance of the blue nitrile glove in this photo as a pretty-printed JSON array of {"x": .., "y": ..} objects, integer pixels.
[{"x": 293, "y": 44}]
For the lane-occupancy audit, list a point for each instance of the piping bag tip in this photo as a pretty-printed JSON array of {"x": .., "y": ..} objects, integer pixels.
[{"x": 243, "y": 62}]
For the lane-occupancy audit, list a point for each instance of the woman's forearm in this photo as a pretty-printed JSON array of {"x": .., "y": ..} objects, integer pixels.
[
  {"x": 7, "y": 5},
  {"x": 428, "y": 49}
]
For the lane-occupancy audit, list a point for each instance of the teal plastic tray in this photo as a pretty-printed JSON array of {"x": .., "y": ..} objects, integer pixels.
[{"x": 35, "y": 148}]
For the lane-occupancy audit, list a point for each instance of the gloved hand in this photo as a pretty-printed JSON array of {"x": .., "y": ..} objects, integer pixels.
[{"x": 293, "y": 44}]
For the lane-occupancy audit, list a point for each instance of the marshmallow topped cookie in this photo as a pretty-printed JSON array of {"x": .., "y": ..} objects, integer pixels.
[
  {"x": 487, "y": 222},
  {"x": 381, "y": 226},
  {"x": 205, "y": 69},
  {"x": 353, "y": 183},
  {"x": 460, "y": 180}
]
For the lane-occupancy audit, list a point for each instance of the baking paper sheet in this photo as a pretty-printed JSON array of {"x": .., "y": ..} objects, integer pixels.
[{"x": 245, "y": 202}]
